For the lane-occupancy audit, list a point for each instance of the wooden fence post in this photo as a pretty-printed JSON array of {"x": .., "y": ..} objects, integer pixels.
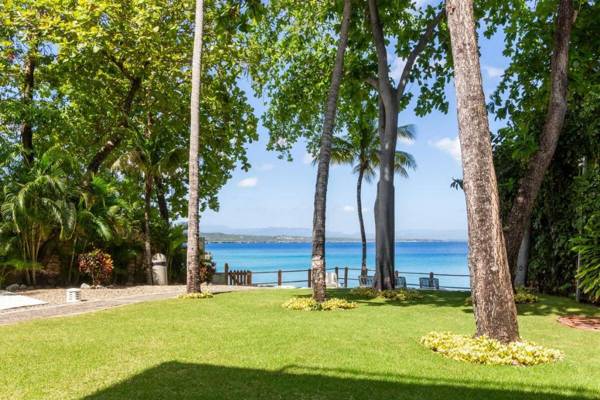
[
  {"x": 249, "y": 278},
  {"x": 337, "y": 274},
  {"x": 226, "y": 272},
  {"x": 431, "y": 280},
  {"x": 346, "y": 277},
  {"x": 279, "y": 276},
  {"x": 309, "y": 278}
]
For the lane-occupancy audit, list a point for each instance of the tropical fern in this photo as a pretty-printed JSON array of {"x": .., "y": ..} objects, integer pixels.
[{"x": 588, "y": 247}]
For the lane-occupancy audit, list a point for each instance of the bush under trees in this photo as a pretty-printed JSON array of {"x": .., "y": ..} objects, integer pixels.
[{"x": 98, "y": 265}]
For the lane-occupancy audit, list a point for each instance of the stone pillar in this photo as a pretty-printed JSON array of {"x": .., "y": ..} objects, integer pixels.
[{"x": 159, "y": 269}]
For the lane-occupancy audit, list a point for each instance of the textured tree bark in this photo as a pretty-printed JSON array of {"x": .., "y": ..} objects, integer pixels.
[
  {"x": 123, "y": 124},
  {"x": 493, "y": 302},
  {"x": 320, "y": 202},
  {"x": 529, "y": 185},
  {"x": 163, "y": 207},
  {"x": 147, "y": 233},
  {"x": 385, "y": 209},
  {"x": 388, "y": 130},
  {"x": 193, "y": 245},
  {"x": 363, "y": 236},
  {"x": 26, "y": 126},
  {"x": 388, "y": 122},
  {"x": 523, "y": 260}
]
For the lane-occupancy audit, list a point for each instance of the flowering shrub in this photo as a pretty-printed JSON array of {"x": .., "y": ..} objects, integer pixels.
[
  {"x": 301, "y": 303},
  {"x": 525, "y": 296},
  {"x": 309, "y": 304},
  {"x": 337, "y": 304},
  {"x": 98, "y": 265},
  {"x": 207, "y": 268},
  {"x": 201, "y": 295},
  {"x": 483, "y": 350},
  {"x": 365, "y": 292},
  {"x": 401, "y": 295},
  {"x": 398, "y": 295}
]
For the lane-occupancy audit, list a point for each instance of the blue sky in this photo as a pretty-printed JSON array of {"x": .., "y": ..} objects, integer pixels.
[{"x": 278, "y": 193}]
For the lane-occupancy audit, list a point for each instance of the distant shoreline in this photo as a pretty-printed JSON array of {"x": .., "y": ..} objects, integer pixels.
[{"x": 220, "y": 238}]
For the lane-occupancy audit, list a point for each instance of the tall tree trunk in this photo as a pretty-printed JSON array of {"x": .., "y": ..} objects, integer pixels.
[
  {"x": 388, "y": 129},
  {"x": 193, "y": 245},
  {"x": 363, "y": 236},
  {"x": 388, "y": 123},
  {"x": 523, "y": 260},
  {"x": 320, "y": 202},
  {"x": 493, "y": 302},
  {"x": 147, "y": 233},
  {"x": 117, "y": 137},
  {"x": 27, "y": 99},
  {"x": 529, "y": 185},
  {"x": 163, "y": 207}
]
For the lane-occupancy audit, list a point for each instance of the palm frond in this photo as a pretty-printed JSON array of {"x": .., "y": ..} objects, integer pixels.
[
  {"x": 404, "y": 161},
  {"x": 407, "y": 131}
]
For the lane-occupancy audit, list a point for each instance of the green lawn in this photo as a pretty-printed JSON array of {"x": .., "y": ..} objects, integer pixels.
[{"x": 243, "y": 345}]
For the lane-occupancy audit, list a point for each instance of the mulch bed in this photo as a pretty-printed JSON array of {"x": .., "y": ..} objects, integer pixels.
[{"x": 579, "y": 322}]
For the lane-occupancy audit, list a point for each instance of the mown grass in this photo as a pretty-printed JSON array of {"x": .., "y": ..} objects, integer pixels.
[{"x": 244, "y": 345}]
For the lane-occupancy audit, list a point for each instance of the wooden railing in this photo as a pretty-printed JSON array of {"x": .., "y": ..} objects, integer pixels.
[{"x": 245, "y": 277}]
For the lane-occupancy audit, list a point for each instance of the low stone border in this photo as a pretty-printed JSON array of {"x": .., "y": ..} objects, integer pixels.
[{"x": 581, "y": 322}]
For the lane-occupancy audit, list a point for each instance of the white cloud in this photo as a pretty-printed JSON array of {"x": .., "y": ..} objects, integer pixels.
[
  {"x": 493, "y": 72},
  {"x": 348, "y": 209},
  {"x": 449, "y": 145},
  {"x": 248, "y": 182},
  {"x": 397, "y": 67},
  {"x": 266, "y": 167},
  {"x": 307, "y": 159}
]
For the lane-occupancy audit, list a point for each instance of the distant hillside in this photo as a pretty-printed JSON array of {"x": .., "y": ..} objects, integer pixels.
[
  {"x": 218, "y": 237},
  {"x": 283, "y": 234}
]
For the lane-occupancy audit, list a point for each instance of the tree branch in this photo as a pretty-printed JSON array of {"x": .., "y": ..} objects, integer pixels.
[
  {"x": 385, "y": 87},
  {"x": 118, "y": 63},
  {"x": 116, "y": 139},
  {"x": 372, "y": 82},
  {"x": 414, "y": 54},
  {"x": 530, "y": 183}
]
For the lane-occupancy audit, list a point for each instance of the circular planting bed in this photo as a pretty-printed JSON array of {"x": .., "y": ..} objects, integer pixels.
[
  {"x": 579, "y": 322},
  {"x": 484, "y": 350}
]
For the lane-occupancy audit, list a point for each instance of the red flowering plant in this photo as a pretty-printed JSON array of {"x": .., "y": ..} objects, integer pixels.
[{"x": 98, "y": 265}]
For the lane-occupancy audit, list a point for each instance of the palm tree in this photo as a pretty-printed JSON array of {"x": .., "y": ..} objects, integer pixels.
[
  {"x": 150, "y": 159},
  {"x": 320, "y": 201},
  {"x": 193, "y": 250},
  {"x": 360, "y": 148},
  {"x": 97, "y": 218},
  {"x": 36, "y": 209}
]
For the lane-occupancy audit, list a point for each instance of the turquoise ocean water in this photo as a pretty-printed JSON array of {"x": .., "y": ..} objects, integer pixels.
[{"x": 418, "y": 257}]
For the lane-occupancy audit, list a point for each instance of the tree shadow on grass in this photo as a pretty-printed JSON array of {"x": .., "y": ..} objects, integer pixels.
[
  {"x": 547, "y": 305},
  {"x": 175, "y": 380},
  {"x": 430, "y": 297},
  {"x": 561, "y": 306}
]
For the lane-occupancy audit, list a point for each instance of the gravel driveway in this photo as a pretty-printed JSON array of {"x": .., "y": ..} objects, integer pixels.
[{"x": 97, "y": 299}]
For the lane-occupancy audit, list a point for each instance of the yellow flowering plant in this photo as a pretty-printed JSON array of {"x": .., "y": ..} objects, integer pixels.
[
  {"x": 309, "y": 304},
  {"x": 484, "y": 350}
]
